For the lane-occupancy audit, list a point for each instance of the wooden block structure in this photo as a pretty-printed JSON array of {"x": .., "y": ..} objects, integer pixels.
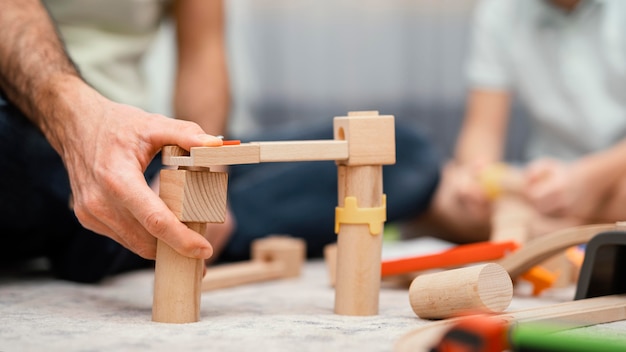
[
  {"x": 273, "y": 257},
  {"x": 363, "y": 142}
]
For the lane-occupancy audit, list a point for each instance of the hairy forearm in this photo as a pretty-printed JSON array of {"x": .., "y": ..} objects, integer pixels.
[{"x": 31, "y": 56}]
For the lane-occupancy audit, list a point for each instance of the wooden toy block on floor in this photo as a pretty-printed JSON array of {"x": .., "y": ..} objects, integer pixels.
[
  {"x": 274, "y": 257},
  {"x": 485, "y": 288},
  {"x": 197, "y": 197},
  {"x": 363, "y": 142}
]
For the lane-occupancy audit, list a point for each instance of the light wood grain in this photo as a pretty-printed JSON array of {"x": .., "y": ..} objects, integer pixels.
[
  {"x": 544, "y": 247},
  {"x": 303, "y": 151},
  {"x": 371, "y": 139},
  {"x": 274, "y": 257},
  {"x": 177, "y": 283},
  {"x": 358, "y": 252},
  {"x": 485, "y": 288},
  {"x": 195, "y": 196}
]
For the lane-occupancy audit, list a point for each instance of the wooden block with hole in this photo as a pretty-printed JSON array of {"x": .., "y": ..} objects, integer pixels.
[
  {"x": 195, "y": 196},
  {"x": 273, "y": 257},
  {"x": 370, "y": 137}
]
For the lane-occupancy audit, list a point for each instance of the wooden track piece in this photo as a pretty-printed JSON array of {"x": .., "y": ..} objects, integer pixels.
[
  {"x": 303, "y": 151},
  {"x": 572, "y": 314},
  {"x": 274, "y": 257},
  {"x": 544, "y": 247}
]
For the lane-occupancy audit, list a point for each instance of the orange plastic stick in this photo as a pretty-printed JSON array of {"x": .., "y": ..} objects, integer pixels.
[
  {"x": 459, "y": 255},
  {"x": 231, "y": 142}
]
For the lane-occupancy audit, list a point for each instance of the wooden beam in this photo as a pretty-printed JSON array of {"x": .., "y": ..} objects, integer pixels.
[{"x": 303, "y": 150}]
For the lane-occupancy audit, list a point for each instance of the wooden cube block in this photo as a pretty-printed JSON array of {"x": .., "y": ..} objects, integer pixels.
[
  {"x": 195, "y": 196},
  {"x": 371, "y": 138}
]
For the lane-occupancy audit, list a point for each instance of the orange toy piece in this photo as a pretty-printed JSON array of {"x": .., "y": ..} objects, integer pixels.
[
  {"x": 476, "y": 333},
  {"x": 541, "y": 279},
  {"x": 457, "y": 256}
]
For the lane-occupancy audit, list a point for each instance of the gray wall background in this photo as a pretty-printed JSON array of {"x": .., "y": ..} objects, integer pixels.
[{"x": 299, "y": 61}]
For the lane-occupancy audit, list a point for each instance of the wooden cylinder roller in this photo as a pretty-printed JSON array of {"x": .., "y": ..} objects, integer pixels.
[{"x": 485, "y": 288}]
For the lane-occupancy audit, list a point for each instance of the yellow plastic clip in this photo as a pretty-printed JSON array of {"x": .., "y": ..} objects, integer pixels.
[
  {"x": 491, "y": 180},
  {"x": 351, "y": 214}
]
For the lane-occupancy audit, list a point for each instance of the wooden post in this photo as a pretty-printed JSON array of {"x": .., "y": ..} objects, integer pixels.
[
  {"x": 361, "y": 211},
  {"x": 196, "y": 197},
  {"x": 357, "y": 282},
  {"x": 177, "y": 284}
]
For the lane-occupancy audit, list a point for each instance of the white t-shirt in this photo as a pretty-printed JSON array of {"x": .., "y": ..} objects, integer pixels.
[
  {"x": 569, "y": 69},
  {"x": 107, "y": 39}
]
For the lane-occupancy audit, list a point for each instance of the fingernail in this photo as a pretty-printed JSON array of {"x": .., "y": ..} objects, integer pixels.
[{"x": 208, "y": 140}]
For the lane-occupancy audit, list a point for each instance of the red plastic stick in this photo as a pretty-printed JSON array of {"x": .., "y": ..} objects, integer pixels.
[{"x": 459, "y": 255}]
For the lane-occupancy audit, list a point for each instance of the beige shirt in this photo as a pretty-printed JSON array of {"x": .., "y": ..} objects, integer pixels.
[
  {"x": 107, "y": 40},
  {"x": 568, "y": 68}
]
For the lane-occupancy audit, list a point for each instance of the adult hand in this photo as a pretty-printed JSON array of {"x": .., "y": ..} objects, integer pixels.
[
  {"x": 464, "y": 189},
  {"x": 106, "y": 147},
  {"x": 557, "y": 188}
]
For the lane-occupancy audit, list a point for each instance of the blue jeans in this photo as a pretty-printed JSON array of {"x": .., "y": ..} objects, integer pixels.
[{"x": 274, "y": 198}]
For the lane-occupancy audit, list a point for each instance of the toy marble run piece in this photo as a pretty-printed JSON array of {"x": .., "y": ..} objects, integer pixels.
[
  {"x": 484, "y": 288},
  {"x": 572, "y": 314},
  {"x": 273, "y": 257},
  {"x": 591, "y": 306},
  {"x": 363, "y": 142},
  {"x": 486, "y": 333}
]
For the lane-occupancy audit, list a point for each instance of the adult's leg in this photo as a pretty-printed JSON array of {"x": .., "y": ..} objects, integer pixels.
[
  {"x": 35, "y": 216},
  {"x": 299, "y": 198}
]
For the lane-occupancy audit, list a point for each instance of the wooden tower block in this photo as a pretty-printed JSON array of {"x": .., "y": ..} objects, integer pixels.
[
  {"x": 197, "y": 198},
  {"x": 371, "y": 144},
  {"x": 359, "y": 251},
  {"x": 371, "y": 138}
]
